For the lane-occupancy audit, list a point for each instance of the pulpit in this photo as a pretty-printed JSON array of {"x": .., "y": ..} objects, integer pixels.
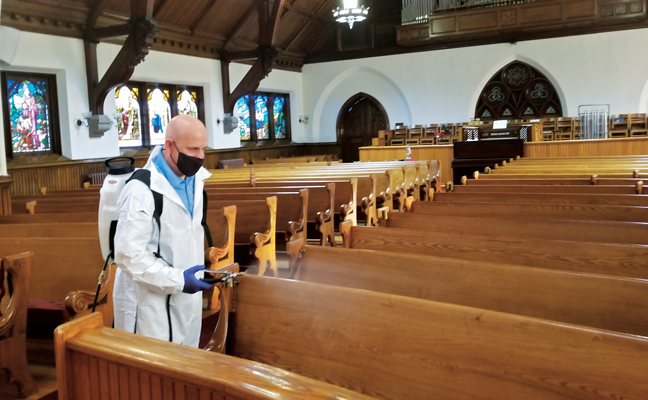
[{"x": 477, "y": 155}]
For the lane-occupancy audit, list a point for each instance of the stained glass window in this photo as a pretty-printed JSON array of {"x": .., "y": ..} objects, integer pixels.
[
  {"x": 187, "y": 102},
  {"x": 129, "y": 126},
  {"x": 261, "y": 117},
  {"x": 279, "y": 118},
  {"x": 270, "y": 119},
  {"x": 147, "y": 109},
  {"x": 29, "y": 115},
  {"x": 243, "y": 110},
  {"x": 159, "y": 114}
]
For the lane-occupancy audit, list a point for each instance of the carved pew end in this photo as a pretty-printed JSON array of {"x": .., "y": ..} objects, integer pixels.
[
  {"x": 449, "y": 186},
  {"x": 476, "y": 174},
  {"x": 487, "y": 170},
  {"x": 639, "y": 187},
  {"x": 464, "y": 180},
  {"x": 594, "y": 179}
]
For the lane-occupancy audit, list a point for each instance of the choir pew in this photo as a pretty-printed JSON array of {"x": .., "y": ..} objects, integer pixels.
[
  {"x": 48, "y": 218},
  {"x": 534, "y": 292},
  {"x": 396, "y": 347},
  {"x": 578, "y": 231},
  {"x": 94, "y": 362},
  {"x": 535, "y": 211},
  {"x": 595, "y": 258},
  {"x": 13, "y": 320}
]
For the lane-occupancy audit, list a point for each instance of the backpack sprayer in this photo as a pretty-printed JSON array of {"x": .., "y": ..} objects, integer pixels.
[{"x": 119, "y": 171}]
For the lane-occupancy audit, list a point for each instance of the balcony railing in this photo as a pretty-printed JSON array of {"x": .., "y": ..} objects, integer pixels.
[{"x": 417, "y": 11}]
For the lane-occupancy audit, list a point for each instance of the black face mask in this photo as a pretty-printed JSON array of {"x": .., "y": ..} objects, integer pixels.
[{"x": 189, "y": 165}]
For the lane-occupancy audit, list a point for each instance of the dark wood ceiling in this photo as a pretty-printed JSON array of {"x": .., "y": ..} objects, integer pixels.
[{"x": 205, "y": 28}]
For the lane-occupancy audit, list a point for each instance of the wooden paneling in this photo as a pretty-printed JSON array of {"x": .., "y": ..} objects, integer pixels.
[
  {"x": 441, "y": 153},
  {"x": 5, "y": 194},
  {"x": 28, "y": 179},
  {"x": 524, "y": 21},
  {"x": 572, "y": 148},
  {"x": 584, "y": 148}
]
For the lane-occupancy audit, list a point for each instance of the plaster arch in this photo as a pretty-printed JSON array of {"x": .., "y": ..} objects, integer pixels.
[
  {"x": 516, "y": 57},
  {"x": 643, "y": 99},
  {"x": 346, "y": 85}
]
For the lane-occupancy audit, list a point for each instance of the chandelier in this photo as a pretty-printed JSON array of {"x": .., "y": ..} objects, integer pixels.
[{"x": 351, "y": 13}]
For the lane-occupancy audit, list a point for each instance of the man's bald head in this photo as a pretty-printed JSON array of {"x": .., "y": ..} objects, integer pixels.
[{"x": 185, "y": 134}]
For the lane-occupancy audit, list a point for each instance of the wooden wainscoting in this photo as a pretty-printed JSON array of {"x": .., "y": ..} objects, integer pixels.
[
  {"x": 587, "y": 148},
  {"x": 5, "y": 194},
  {"x": 443, "y": 154},
  {"x": 28, "y": 179}
]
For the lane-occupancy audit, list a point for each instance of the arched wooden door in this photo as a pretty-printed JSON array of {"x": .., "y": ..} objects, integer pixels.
[{"x": 359, "y": 120}]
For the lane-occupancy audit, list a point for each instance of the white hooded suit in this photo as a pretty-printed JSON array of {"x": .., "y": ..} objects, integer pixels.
[{"x": 148, "y": 290}]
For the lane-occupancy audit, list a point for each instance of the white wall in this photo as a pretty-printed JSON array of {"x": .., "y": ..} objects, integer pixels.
[
  {"x": 281, "y": 82},
  {"x": 443, "y": 86},
  {"x": 64, "y": 57}
]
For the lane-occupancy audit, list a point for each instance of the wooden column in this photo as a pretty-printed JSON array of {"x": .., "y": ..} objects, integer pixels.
[{"x": 5, "y": 194}]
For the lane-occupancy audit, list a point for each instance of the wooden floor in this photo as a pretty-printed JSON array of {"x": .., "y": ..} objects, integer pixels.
[{"x": 40, "y": 355}]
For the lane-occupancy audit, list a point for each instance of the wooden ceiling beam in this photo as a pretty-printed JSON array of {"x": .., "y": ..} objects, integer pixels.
[
  {"x": 96, "y": 9},
  {"x": 108, "y": 32},
  {"x": 142, "y": 30},
  {"x": 239, "y": 23},
  {"x": 240, "y": 55},
  {"x": 201, "y": 16},
  {"x": 159, "y": 5},
  {"x": 272, "y": 25},
  {"x": 142, "y": 9},
  {"x": 267, "y": 54}
]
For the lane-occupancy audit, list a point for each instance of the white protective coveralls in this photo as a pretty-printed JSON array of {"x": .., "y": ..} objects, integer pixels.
[{"x": 144, "y": 283}]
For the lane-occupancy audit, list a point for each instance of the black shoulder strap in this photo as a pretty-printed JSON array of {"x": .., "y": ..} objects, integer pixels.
[
  {"x": 210, "y": 243},
  {"x": 144, "y": 175}
]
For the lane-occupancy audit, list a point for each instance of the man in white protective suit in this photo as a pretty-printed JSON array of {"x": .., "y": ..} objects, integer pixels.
[{"x": 158, "y": 283}]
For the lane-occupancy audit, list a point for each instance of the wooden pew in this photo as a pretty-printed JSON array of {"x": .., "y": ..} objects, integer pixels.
[
  {"x": 52, "y": 230},
  {"x": 534, "y": 292},
  {"x": 48, "y": 218},
  {"x": 595, "y": 258},
  {"x": 94, "y": 362},
  {"x": 397, "y": 347},
  {"x": 546, "y": 198},
  {"x": 255, "y": 226},
  {"x": 567, "y": 189},
  {"x": 60, "y": 266},
  {"x": 577, "y": 231},
  {"x": 220, "y": 257},
  {"x": 13, "y": 321},
  {"x": 540, "y": 211}
]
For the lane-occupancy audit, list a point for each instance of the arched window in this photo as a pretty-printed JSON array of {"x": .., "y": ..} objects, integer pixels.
[
  {"x": 147, "y": 108},
  {"x": 30, "y": 113},
  {"x": 270, "y": 119},
  {"x": 518, "y": 91},
  {"x": 261, "y": 109},
  {"x": 243, "y": 109},
  {"x": 129, "y": 126},
  {"x": 279, "y": 117}
]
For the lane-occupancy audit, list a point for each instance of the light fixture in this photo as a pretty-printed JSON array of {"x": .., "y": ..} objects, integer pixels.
[{"x": 351, "y": 13}]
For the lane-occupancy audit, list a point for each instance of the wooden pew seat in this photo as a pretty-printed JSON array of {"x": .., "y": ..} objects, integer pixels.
[
  {"x": 577, "y": 231},
  {"x": 534, "y": 292},
  {"x": 397, "y": 347},
  {"x": 596, "y": 258},
  {"x": 547, "y": 211},
  {"x": 99, "y": 363},
  {"x": 13, "y": 321}
]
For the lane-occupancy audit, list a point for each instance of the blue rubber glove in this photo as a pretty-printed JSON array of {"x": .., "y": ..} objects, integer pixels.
[{"x": 193, "y": 285}]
